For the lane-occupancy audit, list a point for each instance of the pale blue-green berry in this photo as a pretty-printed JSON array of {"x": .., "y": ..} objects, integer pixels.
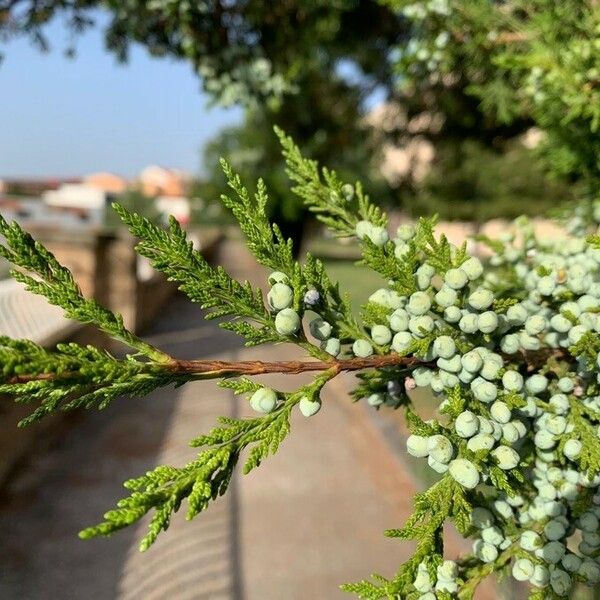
[
  {"x": 456, "y": 279},
  {"x": 491, "y": 367},
  {"x": 443, "y": 585},
  {"x": 446, "y": 297},
  {"x": 481, "y": 299},
  {"x": 422, "y": 376},
  {"x": 378, "y": 235},
  {"x": 440, "y": 448},
  {"x": 484, "y": 391},
  {"x": 464, "y": 472},
  {"x": 362, "y": 229},
  {"x": 540, "y": 577},
  {"x": 590, "y": 571},
  {"x": 472, "y": 268},
  {"x": 544, "y": 440},
  {"x": 572, "y": 449},
  {"x": 576, "y": 333},
  {"x": 362, "y": 348},
  {"x": 546, "y": 493},
  {"x": 497, "y": 430},
  {"x": 436, "y": 465},
  {"x": 424, "y": 275},
  {"x": 419, "y": 303},
  {"x": 418, "y": 446},
  {"x": 520, "y": 427},
  {"x": 560, "y": 323},
  {"x": 552, "y": 552},
  {"x": 516, "y": 314},
  {"x": 509, "y": 344},
  {"x": 452, "y": 365},
  {"x": 512, "y": 381},
  {"x": 536, "y": 384},
  {"x": 466, "y": 424},
  {"x": 381, "y": 335},
  {"x": 465, "y": 376},
  {"x": 436, "y": 384},
  {"x": 529, "y": 342},
  {"x": 481, "y": 518},
  {"x": 387, "y": 298},
  {"x": 402, "y": 341},
  {"x": 500, "y": 412},
  {"x": 332, "y": 346},
  {"x": 452, "y": 314},
  {"x": 309, "y": 406},
  {"x": 530, "y": 540},
  {"x": 556, "y": 424},
  {"x": 507, "y": 457},
  {"x": 280, "y": 296},
  {"x": 492, "y": 535},
  {"x": 320, "y": 329},
  {"x": 570, "y": 307},
  {"x": 472, "y": 361},
  {"x": 263, "y": 400},
  {"x": 347, "y": 191},
  {"x": 481, "y": 441},
  {"x": 277, "y": 277},
  {"x": 560, "y": 404},
  {"x": 535, "y": 324},
  {"x": 469, "y": 323},
  {"x": 510, "y": 433},
  {"x": 422, "y": 580},
  {"x": 399, "y": 320},
  {"x": 405, "y": 232},
  {"x": 487, "y": 321},
  {"x": 375, "y": 399},
  {"x": 522, "y": 569},
  {"x": 422, "y": 325},
  {"x": 588, "y": 521},
  {"x": 571, "y": 562},
  {"x": 553, "y": 508},
  {"x": 554, "y": 530},
  {"x": 448, "y": 570},
  {"x": 444, "y": 347},
  {"x": 546, "y": 285},
  {"x": 448, "y": 379},
  {"x": 287, "y": 322},
  {"x": 401, "y": 249},
  {"x": 485, "y": 552},
  {"x": 312, "y": 297},
  {"x": 394, "y": 387},
  {"x": 560, "y": 582}
]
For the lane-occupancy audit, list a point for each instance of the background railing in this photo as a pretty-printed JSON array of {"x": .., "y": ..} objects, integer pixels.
[{"x": 26, "y": 315}]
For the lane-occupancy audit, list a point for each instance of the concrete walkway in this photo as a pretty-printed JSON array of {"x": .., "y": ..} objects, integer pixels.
[{"x": 308, "y": 519}]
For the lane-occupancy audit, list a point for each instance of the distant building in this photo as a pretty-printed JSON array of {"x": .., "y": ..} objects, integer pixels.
[
  {"x": 179, "y": 207},
  {"x": 77, "y": 195},
  {"x": 107, "y": 182},
  {"x": 160, "y": 181}
]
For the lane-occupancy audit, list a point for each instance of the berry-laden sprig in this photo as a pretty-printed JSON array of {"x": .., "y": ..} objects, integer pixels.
[{"x": 510, "y": 347}]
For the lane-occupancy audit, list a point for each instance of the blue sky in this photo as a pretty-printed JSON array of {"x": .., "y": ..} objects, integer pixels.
[{"x": 67, "y": 117}]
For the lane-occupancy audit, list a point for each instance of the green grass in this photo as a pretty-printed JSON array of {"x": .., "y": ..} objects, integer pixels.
[{"x": 360, "y": 282}]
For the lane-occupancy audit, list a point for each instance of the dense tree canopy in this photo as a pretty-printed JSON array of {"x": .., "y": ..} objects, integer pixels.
[
  {"x": 522, "y": 61},
  {"x": 244, "y": 50}
]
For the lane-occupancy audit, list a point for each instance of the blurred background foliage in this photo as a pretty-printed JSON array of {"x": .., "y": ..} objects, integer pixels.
[{"x": 470, "y": 108}]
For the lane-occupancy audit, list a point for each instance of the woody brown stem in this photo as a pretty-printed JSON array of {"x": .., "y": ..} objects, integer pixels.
[
  {"x": 219, "y": 368},
  {"x": 212, "y": 369}
]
